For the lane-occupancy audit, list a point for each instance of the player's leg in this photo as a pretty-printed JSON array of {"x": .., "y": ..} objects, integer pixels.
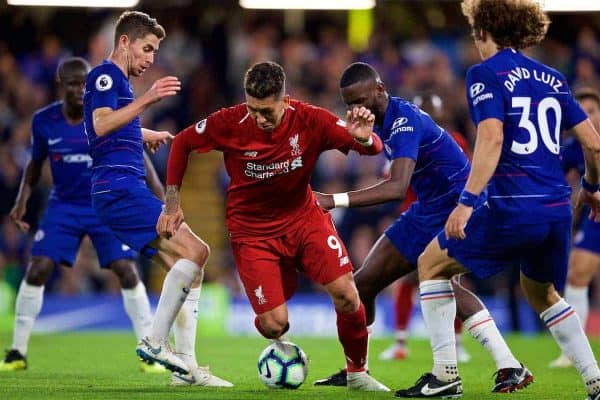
[
  {"x": 56, "y": 242},
  {"x": 544, "y": 269},
  {"x": 190, "y": 254},
  {"x": 510, "y": 373},
  {"x": 584, "y": 261},
  {"x": 325, "y": 260},
  {"x": 461, "y": 353},
  {"x": 27, "y": 307},
  {"x": 403, "y": 307}
]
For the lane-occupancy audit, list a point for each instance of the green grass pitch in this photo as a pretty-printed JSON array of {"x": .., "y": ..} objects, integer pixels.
[{"x": 104, "y": 366}]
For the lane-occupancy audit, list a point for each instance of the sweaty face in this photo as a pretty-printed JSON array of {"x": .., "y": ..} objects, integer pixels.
[
  {"x": 363, "y": 94},
  {"x": 592, "y": 109},
  {"x": 140, "y": 53},
  {"x": 267, "y": 112},
  {"x": 72, "y": 85}
]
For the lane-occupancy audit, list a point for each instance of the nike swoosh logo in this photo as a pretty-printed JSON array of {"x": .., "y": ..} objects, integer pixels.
[
  {"x": 52, "y": 142},
  {"x": 186, "y": 290},
  {"x": 190, "y": 381},
  {"x": 153, "y": 350},
  {"x": 427, "y": 391}
]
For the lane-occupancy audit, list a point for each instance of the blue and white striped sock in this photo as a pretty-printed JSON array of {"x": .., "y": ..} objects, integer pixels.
[{"x": 564, "y": 325}]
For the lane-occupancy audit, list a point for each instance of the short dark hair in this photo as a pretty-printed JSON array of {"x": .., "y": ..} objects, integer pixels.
[
  {"x": 358, "y": 72},
  {"x": 70, "y": 64},
  {"x": 136, "y": 24},
  {"x": 264, "y": 79},
  {"x": 587, "y": 92},
  {"x": 511, "y": 23}
]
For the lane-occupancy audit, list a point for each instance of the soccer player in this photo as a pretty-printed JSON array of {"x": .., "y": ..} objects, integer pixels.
[
  {"x": 58, "y": 135},
  {"x": 519, "y": 107},
  {"x": 584, "y": 258},
  {"x": 406, "y": 287},
  {"x": 271, "y": 144},
  {"x": 424, "y": 156},
  {"x": 124, "y": 203}
]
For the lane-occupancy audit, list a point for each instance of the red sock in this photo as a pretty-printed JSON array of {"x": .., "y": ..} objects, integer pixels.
[
  {"x": 403, "y": 304},
  {"x": 353, "y": 335},
  {"x": 262, "y": 332}
]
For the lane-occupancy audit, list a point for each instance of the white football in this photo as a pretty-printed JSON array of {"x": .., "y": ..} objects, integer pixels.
[{"x": 282, "y": 365}]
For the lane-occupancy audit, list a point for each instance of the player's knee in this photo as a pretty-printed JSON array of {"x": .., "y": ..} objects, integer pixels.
[
  {"x": 347, "y": 301},
  {"x": 126, "y": 272},
  {"x": 38, "y": 271},
  {"x": 272, "y": 325},
  {"x": 195, "y": 249}
]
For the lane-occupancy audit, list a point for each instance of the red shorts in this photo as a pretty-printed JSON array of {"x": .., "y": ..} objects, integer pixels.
[{"x": 268, "y": 267}]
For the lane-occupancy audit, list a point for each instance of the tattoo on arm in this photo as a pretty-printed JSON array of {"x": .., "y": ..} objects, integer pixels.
[{"x": 172, "y": 199}]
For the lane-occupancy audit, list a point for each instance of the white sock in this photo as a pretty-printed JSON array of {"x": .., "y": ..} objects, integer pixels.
[
  {"x": 564, "y": 325},
  {"x": 174, "y": 292},
  {"x": 401, "y": 335},
  {"x": 577, "y": 297},
  {"x": 370, "y": 332},
  {"x": 184, "y": 329},
  {"x": 482, "y": 327},
  {"x": 137, "y": 307},
  {"x": 27, "y": 308},
  {"x": 439, "y": 310}
]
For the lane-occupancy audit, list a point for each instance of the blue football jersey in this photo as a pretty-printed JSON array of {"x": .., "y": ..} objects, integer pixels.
[
  {"x": 441, "y": 167},
  {"x": 535, "y": 104},
  {"x": 66, "y": 146},
  {"x": 117, "y": 155},
  {"x": 571, "y": 156}
]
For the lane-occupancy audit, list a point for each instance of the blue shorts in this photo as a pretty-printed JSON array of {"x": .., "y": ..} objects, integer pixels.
[
  {"x": 541, "y": 250},
  {"x": 131, "y": 212},
  {"x": 588, "y": 236},
  {"x": 63, "y": 227},
  {"x": 415, "y": 228}
]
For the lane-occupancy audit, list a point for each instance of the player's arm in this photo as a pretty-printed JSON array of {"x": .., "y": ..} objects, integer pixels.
[
  {"x": 152, "y": 179},
  {"x": 31, "y": 177},
  {"x": 155, "y": 139},
  {"x": 393, "y": 188},
  {"x": 193, "y": 138},
  {"x": 589, "y": 139},
  {"x": 108, "y": 119}
]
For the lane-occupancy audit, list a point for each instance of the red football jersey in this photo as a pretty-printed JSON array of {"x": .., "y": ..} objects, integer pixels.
[{"x": 270, "y": 172}]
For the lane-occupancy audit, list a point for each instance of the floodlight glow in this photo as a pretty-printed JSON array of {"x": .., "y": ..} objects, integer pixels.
[
  {"x": 309, "y": 4},
  {"x": 570, "y": 5},
  {"x": 75, "y": 3}
]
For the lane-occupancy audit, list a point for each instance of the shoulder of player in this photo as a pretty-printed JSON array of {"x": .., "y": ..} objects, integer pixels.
[
  {"x": 50, "y": 112},
  {"x": 107, "y": 71},
  {"x": 309, "y": 114},
  {"x": 403, "y": 113}
]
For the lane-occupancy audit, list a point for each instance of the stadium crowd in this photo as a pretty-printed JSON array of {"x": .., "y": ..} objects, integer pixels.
[{"x": 209, "y": 52}]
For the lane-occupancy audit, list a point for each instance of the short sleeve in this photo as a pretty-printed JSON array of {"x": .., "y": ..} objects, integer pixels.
[
  {"x": 39, "y": 143},
  {"x": 333, "y": 130},
  {"x": 573, "y": 113},
  {"x": 484, "y": 94},
  {"x": 104, "y": 91},
  {"x": 405, "y": 135}
]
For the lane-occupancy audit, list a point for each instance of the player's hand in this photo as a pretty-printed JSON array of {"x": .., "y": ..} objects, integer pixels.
[
  {"x": 359, "y": 122},
  {"x": 168, "y": 222},
  {"x": 325, "y": 201},
  {"x": 591, "y": 199},
  {"x": 163, "y": 87},
  {"x": 457, "y": 221},
  {"x": 17, "y": 213},
  {"x": 155, "y": 139}
]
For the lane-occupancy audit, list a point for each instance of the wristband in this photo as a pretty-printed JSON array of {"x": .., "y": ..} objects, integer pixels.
[
  {"x": 366, "y": 143},
  {"x": 341, "y": 200},
  {"x": 468, "y": 199},
  {"x": 588, "y": 186}
]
